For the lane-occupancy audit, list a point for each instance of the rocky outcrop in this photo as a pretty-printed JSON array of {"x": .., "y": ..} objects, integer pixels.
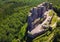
[{"x": 37, "y": 12}]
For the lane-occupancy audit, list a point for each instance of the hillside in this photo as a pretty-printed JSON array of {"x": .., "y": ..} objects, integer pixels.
[
  {"x": 49, "y": 35},
  {"x": 13, "y": 19}
]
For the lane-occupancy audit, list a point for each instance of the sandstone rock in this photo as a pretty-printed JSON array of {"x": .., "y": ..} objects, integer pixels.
[
  {"x": 34, "y": 13},
  {"x": 50, "y": 6},
  {"x": 46, "y": 4},
  {"x": 38, "y": 12},
  {"x": 41, "y": 11}
]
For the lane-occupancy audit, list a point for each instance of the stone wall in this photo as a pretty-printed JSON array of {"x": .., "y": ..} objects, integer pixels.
[{"x": 38, "y": 12}]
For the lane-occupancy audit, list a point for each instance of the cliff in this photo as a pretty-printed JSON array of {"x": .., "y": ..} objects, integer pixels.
[{"x": 40, "y": 19}]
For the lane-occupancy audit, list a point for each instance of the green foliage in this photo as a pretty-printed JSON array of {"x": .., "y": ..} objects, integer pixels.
[
  {"x": 57, "y": 35},
  {"x": 56, "y": 5},
  {"x": 14, "y": 40},
  {"x": 51, "y": 12},
  {"x": 46, "y": 37},
  {"x": 54, "y": 18},
  {"x": 58, "y": 23},
  {"x": 13, "y": 17},
  {"x": 22, "y": 32}
]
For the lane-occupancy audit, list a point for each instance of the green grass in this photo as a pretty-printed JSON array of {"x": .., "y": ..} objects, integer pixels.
[
  {"x": 55, "y": 17},
  {"x": 54, "y": 20},
  {"x": 22, "y": 32},
  {"x": 13, "y": 16},
  {"x": 45, "y": 37},
  {"x": 51, "y": 12}
]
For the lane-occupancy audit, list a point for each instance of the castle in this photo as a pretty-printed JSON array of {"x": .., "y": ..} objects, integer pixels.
[{"x": 37, "y": 13}]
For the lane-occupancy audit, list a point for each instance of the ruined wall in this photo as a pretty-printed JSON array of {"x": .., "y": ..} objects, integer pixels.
[{"x": 38, "y": 12}]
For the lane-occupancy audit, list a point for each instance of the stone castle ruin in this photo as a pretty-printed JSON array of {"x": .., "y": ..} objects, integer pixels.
[{"x": 37, "y": 13}]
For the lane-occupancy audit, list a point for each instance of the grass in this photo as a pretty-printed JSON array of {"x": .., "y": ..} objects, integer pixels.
[
  {"x": 51, "y": 12},
  {"x": 45, "y": 37},
  {"x": 55, "y": 17},
  {"x": 54, "y": 20}
]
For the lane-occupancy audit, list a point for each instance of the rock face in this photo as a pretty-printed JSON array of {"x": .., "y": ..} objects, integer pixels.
[{"x": 37, "y": 12}]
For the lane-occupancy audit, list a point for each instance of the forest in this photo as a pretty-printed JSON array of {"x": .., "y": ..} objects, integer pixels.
[{"x": 13, "y": 19}]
